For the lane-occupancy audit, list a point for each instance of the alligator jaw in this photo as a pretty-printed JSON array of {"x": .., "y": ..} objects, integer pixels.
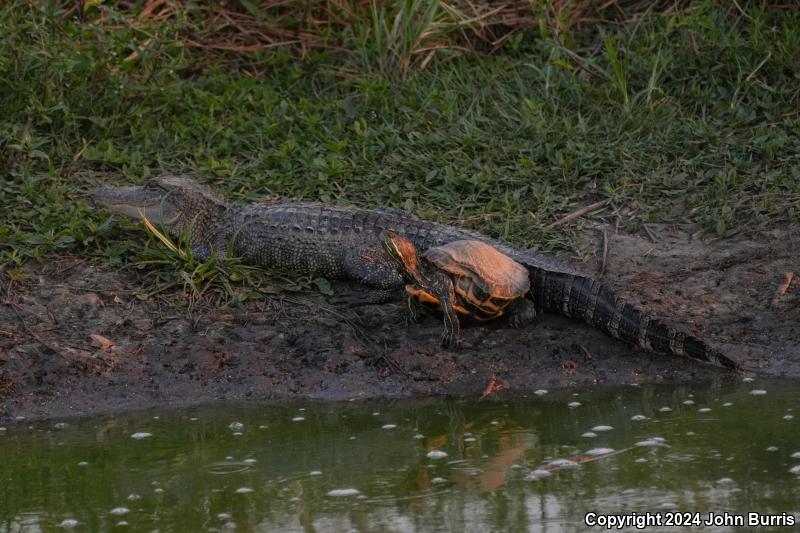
[{"x": 137, "y": 202}]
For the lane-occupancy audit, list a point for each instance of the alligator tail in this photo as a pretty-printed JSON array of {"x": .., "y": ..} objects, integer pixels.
[{"x": 592, "y": 301}]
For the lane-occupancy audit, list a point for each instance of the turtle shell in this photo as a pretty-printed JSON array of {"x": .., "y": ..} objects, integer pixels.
[{"x": 494, "y": 273}]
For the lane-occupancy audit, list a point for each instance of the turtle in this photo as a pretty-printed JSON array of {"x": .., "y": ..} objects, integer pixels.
[{"x": 466, "y": 277}]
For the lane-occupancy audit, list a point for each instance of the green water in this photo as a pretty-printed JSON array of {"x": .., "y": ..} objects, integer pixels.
[{"x": 196, "y": 472}]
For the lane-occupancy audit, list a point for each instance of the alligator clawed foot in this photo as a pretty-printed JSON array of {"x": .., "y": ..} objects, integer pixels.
[{"x": 521, "y": 311}]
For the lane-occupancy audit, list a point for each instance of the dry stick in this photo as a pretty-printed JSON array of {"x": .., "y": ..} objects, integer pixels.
[
  {"x": 577, "y": 214},
  {"x": 782, "y": 288},
  {"x": 605, "y": 253},
  {"x": 650, "y": 233}
]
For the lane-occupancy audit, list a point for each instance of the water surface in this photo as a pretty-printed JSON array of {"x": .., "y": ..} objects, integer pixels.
[{"x": 537, "y": 463}]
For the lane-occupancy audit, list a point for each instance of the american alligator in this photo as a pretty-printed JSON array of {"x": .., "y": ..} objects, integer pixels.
[{"x": 348, "y": 243}]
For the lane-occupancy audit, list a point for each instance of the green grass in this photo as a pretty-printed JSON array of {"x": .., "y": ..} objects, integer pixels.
[{"x": 686, "y": 117}]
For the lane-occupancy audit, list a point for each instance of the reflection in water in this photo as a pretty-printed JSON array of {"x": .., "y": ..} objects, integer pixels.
[{"x": 521, "y": 464}]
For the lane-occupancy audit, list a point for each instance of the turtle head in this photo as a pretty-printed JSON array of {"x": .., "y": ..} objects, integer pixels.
[
  {"x": 177, "y": 203},
  {"x": 405, "y": 253}
]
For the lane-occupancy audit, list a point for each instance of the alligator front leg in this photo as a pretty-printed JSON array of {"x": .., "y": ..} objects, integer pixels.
[{"x": 372, "y": 266}]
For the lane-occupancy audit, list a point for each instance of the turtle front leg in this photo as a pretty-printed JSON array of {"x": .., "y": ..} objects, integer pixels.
[{"x": 441, "y": 286}]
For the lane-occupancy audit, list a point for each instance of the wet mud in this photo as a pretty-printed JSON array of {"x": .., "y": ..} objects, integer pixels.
[{"x": 76, "y": 340}]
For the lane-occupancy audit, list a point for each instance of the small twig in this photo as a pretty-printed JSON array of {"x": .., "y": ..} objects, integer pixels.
[
  {"x": 33, "y": 334},
  {"x": 579, "y": 213},
  {"x": 782, "y": 288},
  {"x": 650, "y": 233},
  {"x": 605, "y": 253}
]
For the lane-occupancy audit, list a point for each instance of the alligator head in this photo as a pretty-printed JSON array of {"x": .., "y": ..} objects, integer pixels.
[{"x": 177, "y": 203}]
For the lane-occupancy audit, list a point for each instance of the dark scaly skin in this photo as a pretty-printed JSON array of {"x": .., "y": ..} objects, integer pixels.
[{"x": 347, "y": 243}]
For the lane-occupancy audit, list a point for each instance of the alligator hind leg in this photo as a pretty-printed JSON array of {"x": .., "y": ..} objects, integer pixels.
[{"x": 521, "y": 311}]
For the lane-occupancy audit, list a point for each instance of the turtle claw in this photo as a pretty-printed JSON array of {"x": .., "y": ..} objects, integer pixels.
[{"x": 450, "y": 340}]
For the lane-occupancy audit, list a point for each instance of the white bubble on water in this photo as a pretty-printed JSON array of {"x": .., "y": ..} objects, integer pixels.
[
  {"x": 725, "y": 481},
  {"x": 665, "y": 409},
  {"x": 599, "y": 451},
  {"x": 589, "y": 435},
  {"x": 236, "y": 426},
  {"x": 229, "y": 458},
  {"x": 640, "y": 460},
  {"x": 83, "y": 463},
  {"x": 602, "y": 428},
  {"x": 758, "y": 392},
  {"x": 638, "y": 418},
  {"x": 60, "y": 425},
  {"x": 691, "y": 433},
  {"x": 788, "y": 417},
  {"x": 438, "y": 480},
  {"x": 238, "y": 434},
  {"x": 772, "y": 448},
  {"x": 69, "y": 523},
  {"x": 540, "y": 392},
  {"x": 494, "y": 422},
  {"x": 748, "y": 380},
  {"x": 704, "y": 410},
  {"x": 470, "y": 439},
  {"x": 262, "y": 427},
  {"x": 249, "y": 461},
  {"x": 193, "y": 419},
  {"x": 795, "y": 470},
  {"x": 3, "y": 429},
  {"x": 133, "y": 497},
  {"x": 119, "y": 511},
  {"x": 158, "y": 490},
  {"x": 388, "y": 426},
  {"x": 436, "y": 454},
  {"x": 537, "y": 474},
  {"x": 418, "y": 436},
  {"x": 156, "y": 418},
  {"x": 562, "y": 463},
  {"x": 688, "y": 402},
  {"x": 795, "y": 455},
  {"x": 652, "y": 442},
  {"x": 668, "y": 505},
  {"x": 339, "y": 493},
  {"x": 376, "y": 413},
  {"x": 243, "y": 490},
  {"x": 224, "y": 516},
  {"x": 315, "y": 473},
  {"x": 139, "y": 435},
  {"x": 298, "y": 419},
  {"x": 573, "y": 405},
  {"x": 727, "y": 404}
]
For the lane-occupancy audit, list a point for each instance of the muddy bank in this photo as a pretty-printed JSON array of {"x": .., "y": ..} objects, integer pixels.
[{"x": 74, "y": 339}]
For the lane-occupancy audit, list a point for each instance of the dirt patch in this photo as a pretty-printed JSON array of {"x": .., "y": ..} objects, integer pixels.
[{"x": 74, "y": 339}]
